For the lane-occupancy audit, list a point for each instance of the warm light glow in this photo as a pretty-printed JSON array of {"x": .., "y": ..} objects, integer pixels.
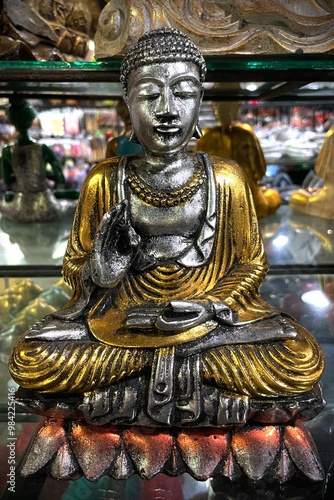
[
  {"x": 280, "y": 241},
  {"x": 251, "y": 86},
  {"x": 316, "y": 298}
]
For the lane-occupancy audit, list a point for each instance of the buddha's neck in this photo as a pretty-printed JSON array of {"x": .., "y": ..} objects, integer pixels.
[
  {"x": 166, "y": 172},
  {"x": 175, "y": 162}
]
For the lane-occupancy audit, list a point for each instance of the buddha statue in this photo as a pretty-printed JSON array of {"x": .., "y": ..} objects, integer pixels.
[
  {"x": 317, "y": 200},
  {"x": 238, "y": 141},
  {"x": 166, "y": 358},
  {"x": 24, "y": 165}
]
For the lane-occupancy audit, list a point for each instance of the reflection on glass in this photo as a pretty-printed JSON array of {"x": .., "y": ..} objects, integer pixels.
[
  {"x": 38, "y": 243},
  {"x": 292, "y": 238},
  {"x": 316, "y": 298}
]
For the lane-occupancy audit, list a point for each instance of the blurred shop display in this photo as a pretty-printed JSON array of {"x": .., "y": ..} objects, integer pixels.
[
  {"x": 291, "y": 138},
  {"x": 77, "y": 135},
  {"x": 317, "y": 199}
]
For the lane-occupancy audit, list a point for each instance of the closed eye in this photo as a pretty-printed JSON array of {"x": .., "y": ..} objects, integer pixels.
[
  {"x": 185, "y": 89},
  {"x": 148, "y": 90},
  {"x": 149, "y": 96},
  {"x": 185, "y": 94}
]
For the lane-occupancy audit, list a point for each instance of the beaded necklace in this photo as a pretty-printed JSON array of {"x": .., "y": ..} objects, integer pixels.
[{"x": 165, "y": 198}]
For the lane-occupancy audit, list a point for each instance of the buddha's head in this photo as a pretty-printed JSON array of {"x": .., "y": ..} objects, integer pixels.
[
  {"x": 162, "y": 78},
  {"x": 161, "y": 46}
]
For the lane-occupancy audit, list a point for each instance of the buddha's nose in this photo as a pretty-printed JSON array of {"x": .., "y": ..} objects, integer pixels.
[{"x": 167, "y": 107}]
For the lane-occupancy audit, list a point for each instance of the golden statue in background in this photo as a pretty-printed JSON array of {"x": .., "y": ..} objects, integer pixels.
[
  {"x": 318, "y": 201},
  {"x": 238, "y": 141}
]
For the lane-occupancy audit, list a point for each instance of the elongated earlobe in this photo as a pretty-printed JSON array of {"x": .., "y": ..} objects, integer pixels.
[
  {"x": 133, "y": 137},
  {"x": 198, "y": 134}
]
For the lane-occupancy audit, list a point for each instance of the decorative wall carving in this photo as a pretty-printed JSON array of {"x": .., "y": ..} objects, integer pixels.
[{"x": 221, "y": 26}]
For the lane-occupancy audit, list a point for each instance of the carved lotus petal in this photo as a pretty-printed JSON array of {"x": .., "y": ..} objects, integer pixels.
[
  {"x": 230, "y": 468},
  {"x": 121, "y": 468},
  {"x": 303, "y": 452},
  {"x": 50, "y": 437},
  {"x": 175, "y": 464},
  {"x": 202, "y": 450},
  {"x": 283, "y": 469},
  {"x": 255, "y": 449},
  {"x": 64, "y": 465},
  {"x": 94, "y": 447},
  {"x": 149, "y": 450}
]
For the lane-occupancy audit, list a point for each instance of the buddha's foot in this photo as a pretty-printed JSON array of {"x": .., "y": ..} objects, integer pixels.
[
  {"x": 318, "y": 202},
  {"x": 72, "y": 448}
]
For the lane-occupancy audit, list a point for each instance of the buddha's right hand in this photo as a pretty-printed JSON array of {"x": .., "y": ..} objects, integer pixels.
[
  {"x": 182, "y": 314},
  {"x": 177, "y": 316},
  {"x": 113, "y": 248}
]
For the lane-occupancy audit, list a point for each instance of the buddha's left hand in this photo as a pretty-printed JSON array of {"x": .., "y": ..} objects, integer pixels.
[{"x": 179, "y": 315}]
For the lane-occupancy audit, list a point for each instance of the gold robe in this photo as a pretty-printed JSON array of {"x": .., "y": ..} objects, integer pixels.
[{"x": 232, "y": 269}]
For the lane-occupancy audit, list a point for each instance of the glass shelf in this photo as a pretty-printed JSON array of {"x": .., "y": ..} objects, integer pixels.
[
  {"x": 35, "y": 244},
  {"x": 294, "y": 242},
  {"x": 232, "y": 62},
  {"x": 293, "y": 239},
  {"x": 282, "y": 74}
]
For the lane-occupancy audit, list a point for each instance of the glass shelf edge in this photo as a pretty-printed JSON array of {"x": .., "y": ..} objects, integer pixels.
[
  {"x": 112, "y": 65},
  {"x": 233, "y": 61}
]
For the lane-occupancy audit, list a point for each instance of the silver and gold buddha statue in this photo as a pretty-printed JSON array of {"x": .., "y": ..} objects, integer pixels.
[{"x": 166, "y": 343}]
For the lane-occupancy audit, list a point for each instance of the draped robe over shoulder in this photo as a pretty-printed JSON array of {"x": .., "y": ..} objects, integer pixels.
[
  {"x": 232, "y": 273},
  {"x": 227, "y": 264}
]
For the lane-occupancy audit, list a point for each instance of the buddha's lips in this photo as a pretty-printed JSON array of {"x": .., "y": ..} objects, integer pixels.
[{"x": 167, "y": 129}]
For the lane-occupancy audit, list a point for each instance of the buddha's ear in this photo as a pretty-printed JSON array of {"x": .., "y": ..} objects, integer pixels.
[
  {"x": 198, "y": 134},
  {"x": 133, "y": 137},
  {"x": 126, "y": 99}
]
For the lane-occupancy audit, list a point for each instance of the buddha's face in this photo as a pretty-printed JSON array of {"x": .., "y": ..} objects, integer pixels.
[{"x": 164, "y": 100}]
